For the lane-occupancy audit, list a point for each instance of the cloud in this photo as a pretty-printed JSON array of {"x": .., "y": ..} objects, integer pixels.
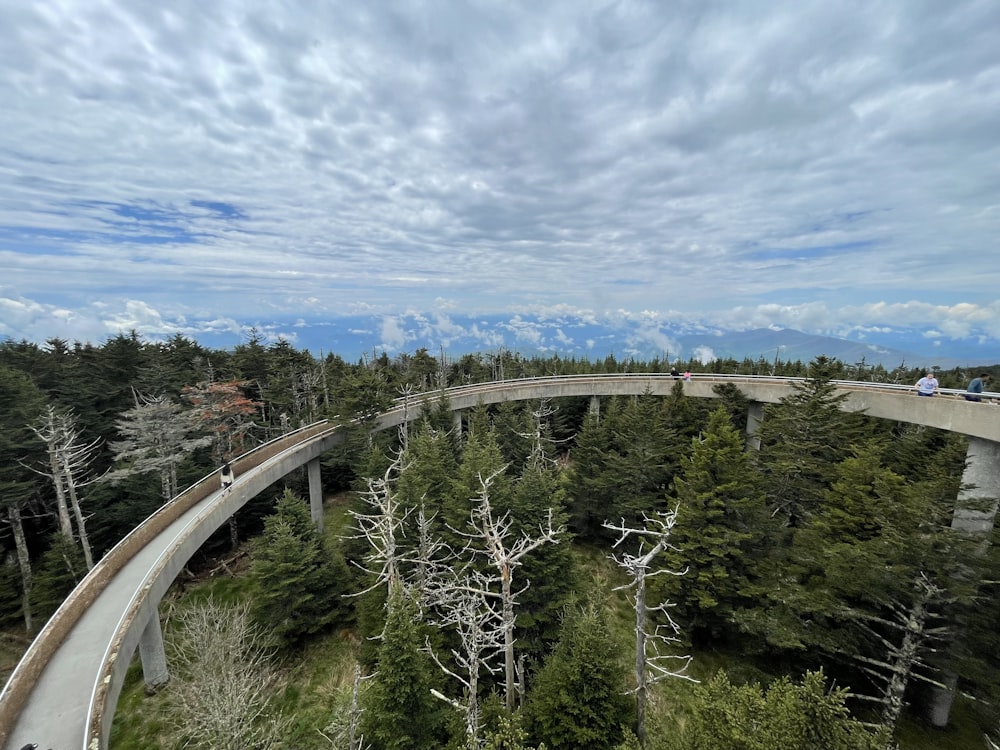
[{"x": 828, "y": 168}]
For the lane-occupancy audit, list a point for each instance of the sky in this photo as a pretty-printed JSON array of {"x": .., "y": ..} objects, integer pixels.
[{"x": 204, "y": 167}]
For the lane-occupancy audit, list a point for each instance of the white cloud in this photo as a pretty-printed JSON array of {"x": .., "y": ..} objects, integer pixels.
[
  {"x": 393, "y": 337},
  {"x": 828, "y": 168}
]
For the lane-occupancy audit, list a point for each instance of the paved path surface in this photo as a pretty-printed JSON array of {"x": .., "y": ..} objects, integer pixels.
[{"x": 56, "y": 714}]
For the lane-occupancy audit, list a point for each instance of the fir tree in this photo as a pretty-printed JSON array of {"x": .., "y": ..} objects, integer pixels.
[
  {"x": 578, "y": 700},
  {"x": 298, "y": 581},
  {"x": 724, "y": 524},
  {"x": 786, "y": 715},
  {"x": 401, "y": 713}
]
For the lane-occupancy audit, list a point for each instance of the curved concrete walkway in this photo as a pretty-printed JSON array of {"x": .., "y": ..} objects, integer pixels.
[{"x": 64, "y": 691}]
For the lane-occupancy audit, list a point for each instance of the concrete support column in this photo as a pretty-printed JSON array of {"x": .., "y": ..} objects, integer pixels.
[
  {"x": 595, "y": 405},
  {"x": 977, "y": 499},
  {"x": 975, "y": 512},
  {"x": 755, "y": 415},
  {"x": 315, "y": 493},
  {"x": 457, "y": 416},
  {"x": 152, "y": 655}
]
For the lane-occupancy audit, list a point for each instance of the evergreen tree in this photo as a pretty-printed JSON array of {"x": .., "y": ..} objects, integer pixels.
[
  {"x": 723, "y": 525},
  {"x": 550, "y": 570},
  {"x": 481, "y": 458},
  {"x": 786, "y": 715},
  {"x": 590, "y": 486},
  {"x": 61, "y": 568},
  {"x": 20, "y": 404},
  {"x": 802, "y": 439},
  {"x": 643, "y": 459},
  {"x": 577, "y": 699},
  {"x": 298, "y": 581},
  {"x": 401, "y": 713}
]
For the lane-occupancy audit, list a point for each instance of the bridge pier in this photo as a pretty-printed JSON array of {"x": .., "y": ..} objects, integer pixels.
[
  {"x": 152, "y": 655},
  {"x": 315, "y": 493},
  {"x": 457, "y": 417},
  {"x": 755, "y": 415},
  {"x": 975, "y": 512},
  {"x": 595, "y": 406}
]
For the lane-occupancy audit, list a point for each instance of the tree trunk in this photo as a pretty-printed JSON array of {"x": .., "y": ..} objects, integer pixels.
[
  {"x": 65, "y": 526},
  {"x": 905, "y": 660},
  {"x": 88, "y": 555},
  {"x": 508, "y": 637},
  {"x": 640, "y": 657},
  {"x": 23, "y": 561}
]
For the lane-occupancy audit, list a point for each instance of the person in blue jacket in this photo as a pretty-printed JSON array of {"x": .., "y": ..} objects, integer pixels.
[{"x": 976, "y": 387}]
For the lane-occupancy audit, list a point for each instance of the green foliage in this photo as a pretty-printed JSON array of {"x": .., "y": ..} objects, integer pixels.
[
  {"x": 508, "y": 734},
  {"x": 577, "y": 699},
  {"x": 20, "y": 404},
  {"x": 802, "y": 439},
  {"x": 550, "y": 569},
  {"x": 589, "y": 488},
  {"x": 400, "y": 711},
  {"x": 786, "y": 715},
  {"x": 720, "y": 532},
  {"x": 298, "y": 580},
  {"x": 61, "y": 568}
]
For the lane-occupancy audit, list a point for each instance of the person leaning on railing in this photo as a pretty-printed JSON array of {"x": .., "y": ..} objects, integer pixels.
[
  {"x": 927, "y": 385},
  {"x": 972, "y": 393}
]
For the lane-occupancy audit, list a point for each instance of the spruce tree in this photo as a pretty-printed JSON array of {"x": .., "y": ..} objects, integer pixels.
[
  {"x": 298, "y": 581},
  {"x": 802, "y": 439},
  {"x": 61, "y": 568},
  {"x": 401, "y": 713},
  {"x": 720, "y": 537},
  {"x": 578, "y": 699},
  {"x": 790, "y": 716}
]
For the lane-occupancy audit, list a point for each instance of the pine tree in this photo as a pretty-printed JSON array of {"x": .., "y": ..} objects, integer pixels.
[
  {"x": 577, "y": 699},
  {"x": 298, "y": 581},
  {"x": 401, "y": 713},
  {"x": 724, "y": 525}
]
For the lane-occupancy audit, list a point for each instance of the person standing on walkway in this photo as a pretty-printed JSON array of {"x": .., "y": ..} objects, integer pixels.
[
  {"x": 227, "y": 476},
  {"x": 976, "y": 387},
  {"x": 927, "y": 385}
]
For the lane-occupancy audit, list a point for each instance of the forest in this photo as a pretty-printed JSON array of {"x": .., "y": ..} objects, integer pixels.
[{"x": 549, "y": 575}]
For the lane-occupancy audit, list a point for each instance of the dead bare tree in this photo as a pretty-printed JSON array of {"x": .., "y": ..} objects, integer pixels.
[
  {"x": 912, "y": 624},
  {"x": 344, "y": 731},
  {"x": 651, "y": 665},
  {"x": 383, "y": 527},
  {"x": 155, "y": 437},
  {"x": 537, "y": 436},
  {"x": 490, "y": 537},
  {"x": 392, "y": 562},
  {"x": 223, "y": 678},
  {"x": 468, "y": 604},
  {"x": 69, "y": 465}
]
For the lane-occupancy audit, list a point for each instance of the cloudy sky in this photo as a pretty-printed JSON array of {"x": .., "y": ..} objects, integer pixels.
[{"x": 832, "y": 167}]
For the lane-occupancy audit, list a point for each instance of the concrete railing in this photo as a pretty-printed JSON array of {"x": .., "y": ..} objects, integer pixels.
[{"x": 52, "y": 635}]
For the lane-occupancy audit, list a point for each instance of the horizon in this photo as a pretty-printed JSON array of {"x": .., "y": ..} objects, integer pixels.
[{"x": 201, "y": 170}]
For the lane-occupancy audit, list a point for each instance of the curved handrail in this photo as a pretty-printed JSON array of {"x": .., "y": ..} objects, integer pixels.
[{"x": 55, "y": 631}]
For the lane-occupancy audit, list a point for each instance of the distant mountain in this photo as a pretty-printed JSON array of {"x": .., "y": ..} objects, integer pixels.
[
  {"x": 587, "y": 337},
  {"x": 790, "y": 345}
]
